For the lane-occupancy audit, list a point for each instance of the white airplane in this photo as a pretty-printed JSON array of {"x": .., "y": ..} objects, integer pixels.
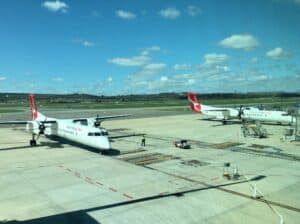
[
  {"x": 219, "y": 113},
  {"x": 243, "y": 113},
  {"x": 256, "y": 114},
  {"x": 86, "y": 131}
]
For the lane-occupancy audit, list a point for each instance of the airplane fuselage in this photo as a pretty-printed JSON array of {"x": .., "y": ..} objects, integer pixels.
[
  {"x": 266, "y": 115},
  {"x": 219, "y": 113},
  {"x": 77, "y": 132}
]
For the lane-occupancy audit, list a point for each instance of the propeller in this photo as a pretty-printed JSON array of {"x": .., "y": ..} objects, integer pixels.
[
  {"x": 41, "y": 127},
  {"x": 241, "y": 112},
  {"x": 97, "y": 122}
]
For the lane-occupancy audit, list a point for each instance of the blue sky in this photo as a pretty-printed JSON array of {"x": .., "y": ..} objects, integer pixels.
[{"x": 139, "y": 46}]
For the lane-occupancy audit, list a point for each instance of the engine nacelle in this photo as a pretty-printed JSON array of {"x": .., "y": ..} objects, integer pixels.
[{"x": 33, "y": 127}]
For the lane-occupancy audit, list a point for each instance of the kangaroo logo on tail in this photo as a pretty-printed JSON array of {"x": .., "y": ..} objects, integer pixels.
[
  {"x": 194, "y": 103},
  {"x": 33, "y": 107}
]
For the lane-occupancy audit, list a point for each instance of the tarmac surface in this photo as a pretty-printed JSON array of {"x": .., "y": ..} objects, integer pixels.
[{"x": 159, "y": 183}]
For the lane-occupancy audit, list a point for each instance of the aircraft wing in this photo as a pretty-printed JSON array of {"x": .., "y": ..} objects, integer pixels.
[
  {"x": 26, "y": 122},
  {"x": 100, "y": 118},
  {"x": 111, "y": 117},
  {"x": 14, "y": 122},
  {"x": 219, "y": 110}
]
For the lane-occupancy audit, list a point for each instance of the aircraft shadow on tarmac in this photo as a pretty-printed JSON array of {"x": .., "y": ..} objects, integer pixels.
[
  {"x": 110, "y": 152},
  {"x": 59, "y": 144},
  {"x": 219, "y": 122},
  {"x": 41, "y": 144},
  {"x": 231, "y": 122},
  {"x": 82, "y": 216}
]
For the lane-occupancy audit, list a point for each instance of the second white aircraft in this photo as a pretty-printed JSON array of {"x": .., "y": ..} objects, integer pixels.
[{"x": 243, "y": 113}]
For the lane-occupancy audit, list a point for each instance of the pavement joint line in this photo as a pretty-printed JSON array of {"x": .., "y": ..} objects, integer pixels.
[{"x": 221, "y": 188}]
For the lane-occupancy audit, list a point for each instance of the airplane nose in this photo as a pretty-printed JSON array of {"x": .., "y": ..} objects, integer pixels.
[{"x": 106, "y": 144}]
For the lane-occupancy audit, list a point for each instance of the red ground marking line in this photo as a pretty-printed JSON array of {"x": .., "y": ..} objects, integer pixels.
[
  {"x": 98, "y": 183},
  {"x": 112, "y": 189},
  {"x": 163, "y": 193},
  {"x": 127, "y": 196}
]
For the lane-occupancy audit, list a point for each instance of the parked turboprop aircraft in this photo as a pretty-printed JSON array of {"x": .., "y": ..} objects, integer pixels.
[
  {"x": 243, "y": 113},
  {"x": 223, "y": 114},
  {"x": 86, "y": 131}
]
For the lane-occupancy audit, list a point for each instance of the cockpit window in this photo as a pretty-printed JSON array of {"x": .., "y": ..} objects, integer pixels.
[{"x": 103, "y": 133}]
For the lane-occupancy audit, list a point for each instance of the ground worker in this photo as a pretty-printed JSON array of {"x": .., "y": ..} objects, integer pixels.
[{"x": 143, "y": 141}]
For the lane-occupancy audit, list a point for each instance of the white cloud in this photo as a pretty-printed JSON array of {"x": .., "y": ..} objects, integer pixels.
[
  {"x": 254, "y": 60},
  {"x": 223, "y": 68},
  {"x": 191, "y": 81},
  {"x": 154, "y": 48},
  {"x": 193, "y": 10},
  {"x": 88, "y": 43},
  {"x": 146, "y": 72},
  {"x": 170, "y": 13},
  {"x": 109, "y": 79},
  {"x": 213, "y": 59},
  {"x": 261, "y": 77},
  {"x": 57, "y": 79},
  {"x": 150, "y": 49},
  {"x": 85, "y": 43},
  {"x": 164, "y": 78},
  {"x": 55, "y": 6},
  {"x": 277, "y": 53},
  {"x": 2, "y": 78},
  {"x": 240, "y": 41},
  {"x": 155, "y": 66},
  {"x": 125, "y": 14},
  {"x": 182, "y": 66},
  {"x": 133, "y": 61}
]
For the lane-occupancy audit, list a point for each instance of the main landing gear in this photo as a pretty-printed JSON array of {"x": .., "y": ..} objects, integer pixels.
[{"x": 32, "y": 142}]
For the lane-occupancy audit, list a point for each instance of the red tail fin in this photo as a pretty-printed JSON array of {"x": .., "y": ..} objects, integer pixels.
[
  {"x": 194, "y": 103},
  {"x": 33, "y": 107}
]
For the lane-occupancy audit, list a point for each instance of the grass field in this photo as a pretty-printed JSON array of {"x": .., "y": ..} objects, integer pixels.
[{"x": 10, "y": 110}]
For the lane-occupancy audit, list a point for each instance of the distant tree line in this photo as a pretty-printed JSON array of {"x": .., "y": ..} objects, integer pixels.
[{"x": 81, "y": 98}]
